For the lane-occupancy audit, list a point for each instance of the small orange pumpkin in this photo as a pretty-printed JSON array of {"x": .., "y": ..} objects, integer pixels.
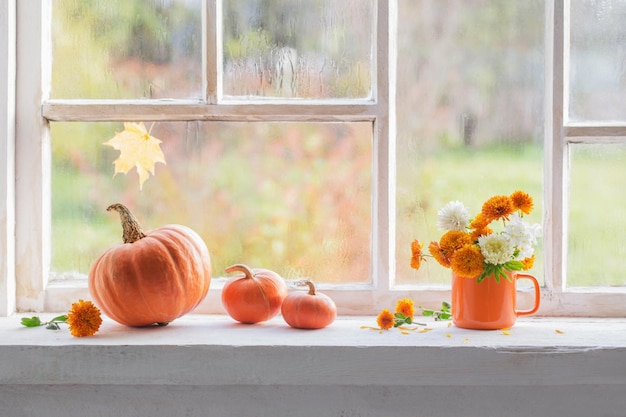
[
  {"x": 255, "y": 296},
  {"x": 308, "y": 310},
  {"x": 153, "y": 277}
]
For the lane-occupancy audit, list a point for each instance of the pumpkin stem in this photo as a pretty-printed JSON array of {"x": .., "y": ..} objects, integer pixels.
[
  {"x": 132, "y": 230},
  {"x": 241, "y": 268},
  {"x": 308, "y": 283}
]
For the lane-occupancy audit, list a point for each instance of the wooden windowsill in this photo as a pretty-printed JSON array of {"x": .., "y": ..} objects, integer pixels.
[{"x": 537, "y": 355}]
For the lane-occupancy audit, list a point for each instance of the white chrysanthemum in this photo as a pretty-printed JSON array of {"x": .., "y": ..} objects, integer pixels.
[
  {"x": 522, "y": 235},
  {"x": 496, "y": 248},
  {"x": 453, "y": 216}
]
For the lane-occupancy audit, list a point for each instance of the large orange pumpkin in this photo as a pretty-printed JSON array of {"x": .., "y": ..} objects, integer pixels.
[
  {"x": 153, "y": 277},
  {"x": 254, "y": 296},
  {"x": 308, "y": 310}
]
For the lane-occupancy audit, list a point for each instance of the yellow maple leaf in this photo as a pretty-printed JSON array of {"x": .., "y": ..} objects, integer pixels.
[{"x": 137, "y": 149}]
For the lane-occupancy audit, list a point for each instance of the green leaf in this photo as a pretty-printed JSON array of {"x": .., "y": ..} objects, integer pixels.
[
  {"x": 445, "y": 306},
  {"x": 400, "y": 316},
  {"x": 496, "y": 275},
  {"x": 514, "y": 266},
  {"x": 61, "y": 319},
  {"x": 445, "y": 316},
  {"x": 427, "y": 313},
  {"x": 489, "y": 270},
  {"x": 31, "y": 322}
]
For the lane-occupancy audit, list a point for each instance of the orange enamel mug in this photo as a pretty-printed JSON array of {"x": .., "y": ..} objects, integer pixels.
[{"x": 489, "y": 305}]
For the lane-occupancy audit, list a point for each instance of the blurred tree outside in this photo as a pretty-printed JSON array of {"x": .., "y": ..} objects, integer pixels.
[
  {"x": 296, "y": 197},
  {"x": 293, "y": 197}
]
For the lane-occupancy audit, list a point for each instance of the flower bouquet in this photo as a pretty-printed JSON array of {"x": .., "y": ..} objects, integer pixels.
[
  {"x": 472, "y": 247},
  {"x": 485, "y": 254}
]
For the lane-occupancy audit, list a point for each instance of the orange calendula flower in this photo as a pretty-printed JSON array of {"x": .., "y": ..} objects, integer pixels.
[
  {"x": 468, "y": 262},
  {"x": 406, "y": 307},
  {"x": 476, "y": 233},
  {"x": 452, "y": 241},
  {"x": 528, "y": 262},
  {"x": 497, "y": 207},
  {"x": 437, "y": 253},
  {"x": 385, "y": 319},
  {"x": 479, "y": 222},
  {"x": 522, "y": 202},
  {"x": 416, "y": 254},
  {"x": 84, "y": 319}
]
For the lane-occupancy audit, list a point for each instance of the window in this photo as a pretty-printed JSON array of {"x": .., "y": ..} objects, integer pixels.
[{"x": 318, "y": 142}]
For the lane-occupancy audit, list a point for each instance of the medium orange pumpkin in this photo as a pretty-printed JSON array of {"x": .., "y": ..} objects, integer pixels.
[
  {"x": 254, "y": 296},
  {"x": 153, "y": 277},
  {"x": 308, "y": 310}
]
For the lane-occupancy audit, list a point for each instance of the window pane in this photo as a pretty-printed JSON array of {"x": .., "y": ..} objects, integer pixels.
[
  {"x": 596, "y": 248},
  {"x": 298, "y": 48},
  {"x": 292, "y": 197},
  {"x": 114, "y": 49},
  {"x": 598, "y": 52},
  {"x": 470, "y": 113}
]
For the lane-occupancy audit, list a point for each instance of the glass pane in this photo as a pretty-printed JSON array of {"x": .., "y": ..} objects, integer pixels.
[
  {"x": 470, "y": 113},
  {"x": 311, "y": 49},
  {"x": 596, "y": 248},
  {"x": 598, "y": 52},
  {"x": 291, "y": 197},
  {"x": 125, "y": 49}
]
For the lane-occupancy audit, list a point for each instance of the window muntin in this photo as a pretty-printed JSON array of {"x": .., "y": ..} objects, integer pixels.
[
  {"x": 469, "y": 113},
  {"x": 122, "y": 49},
  {"x": 306, "y": 49}
]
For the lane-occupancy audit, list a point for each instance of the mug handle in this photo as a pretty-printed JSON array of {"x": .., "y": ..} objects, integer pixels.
[{"x": 537, "y": 295}]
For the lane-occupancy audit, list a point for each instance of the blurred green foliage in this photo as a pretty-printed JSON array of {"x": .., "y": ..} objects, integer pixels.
[
  {"x": 291, "y": 197},
  {"x": 297, "y": 197}
]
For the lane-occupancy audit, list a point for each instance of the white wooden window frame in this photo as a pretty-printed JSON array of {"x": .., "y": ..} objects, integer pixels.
[
  {"x": 7, "y": 156},
  {"x": 25, "y": 178}
]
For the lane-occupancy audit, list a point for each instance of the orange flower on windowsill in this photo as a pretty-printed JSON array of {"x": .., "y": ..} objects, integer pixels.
[
  {"x": 84, "y": 319},
  {"x": 385, "y": 320},
  {"x": 405, "y": 307},
  {"x": 405, "y": 310}
]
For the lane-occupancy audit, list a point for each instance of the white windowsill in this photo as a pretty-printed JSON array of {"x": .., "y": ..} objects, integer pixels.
[{"x": 341, "y": 369}]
